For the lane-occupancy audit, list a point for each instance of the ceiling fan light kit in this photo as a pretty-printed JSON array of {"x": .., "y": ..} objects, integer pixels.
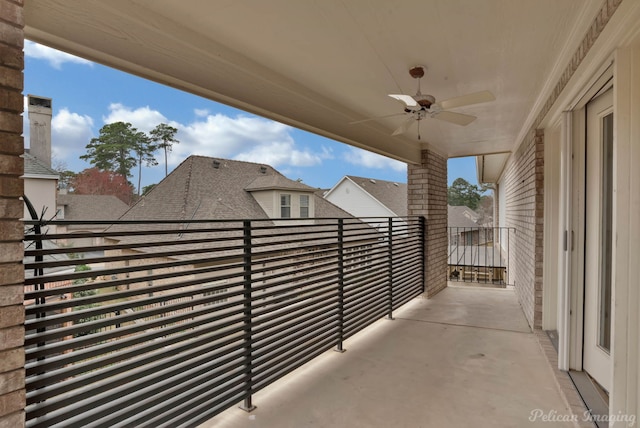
[{"x": 420, "y": 106}]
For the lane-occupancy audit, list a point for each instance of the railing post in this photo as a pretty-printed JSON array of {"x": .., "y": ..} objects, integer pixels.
[
  {"x": 39, "y": 272},
  {"x": 423, "y": 250},
  {"x": 339, "y": 347},
  {"x": 390, "y": 273},
  {"x": 247, "y": 405}
]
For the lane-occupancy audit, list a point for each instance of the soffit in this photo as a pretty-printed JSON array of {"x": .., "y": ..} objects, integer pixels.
[{"x": 319, "y": 65}]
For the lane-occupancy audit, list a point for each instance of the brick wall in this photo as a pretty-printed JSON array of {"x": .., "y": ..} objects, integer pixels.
[
  {"x": 524, "y": 211},
  {"x": 523, "y": 178},
  {"x": 427, "y": 196},
  {"x": 12, "y": 393}
]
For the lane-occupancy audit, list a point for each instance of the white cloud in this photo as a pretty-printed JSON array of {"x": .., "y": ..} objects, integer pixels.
[
  {"x": 70, "y": 133},
  {"x": 280, "y": 153},
  {"x": 142, "y": 118},
  {"x": 373, "y": 160},
  {"x": 243, "y": 137},
  {"x": 54, "y": 57}
]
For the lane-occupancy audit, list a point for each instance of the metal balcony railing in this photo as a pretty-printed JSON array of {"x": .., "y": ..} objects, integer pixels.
[
  {"x": 168, "y": 323},
  {"x": 480, "y": 254}
]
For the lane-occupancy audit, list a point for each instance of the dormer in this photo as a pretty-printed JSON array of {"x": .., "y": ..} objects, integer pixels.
[{"x": 281, "y": 198}]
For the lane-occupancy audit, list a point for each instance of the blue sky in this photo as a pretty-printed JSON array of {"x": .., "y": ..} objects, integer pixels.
[{"x": 86, "y": 96}]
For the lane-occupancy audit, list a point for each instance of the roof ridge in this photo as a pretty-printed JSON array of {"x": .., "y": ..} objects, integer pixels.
[
  {"x": 235, "y": 160},
  {"x": 375, "y": 179}
]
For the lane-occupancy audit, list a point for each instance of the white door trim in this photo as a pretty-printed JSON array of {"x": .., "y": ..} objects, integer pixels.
[
  {"x": 597, "y": 359},
  {"x": 571, "y": 269}
]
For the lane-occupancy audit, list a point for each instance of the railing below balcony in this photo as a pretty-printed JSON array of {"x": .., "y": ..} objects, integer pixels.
[
  {"x": 164, "y": 323},
  {"x": 480, "y": 254}
]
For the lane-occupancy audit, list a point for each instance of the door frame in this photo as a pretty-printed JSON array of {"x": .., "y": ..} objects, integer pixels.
[
  {"x": 600, "y": 360},
  {"x": 571, "y": 270}
]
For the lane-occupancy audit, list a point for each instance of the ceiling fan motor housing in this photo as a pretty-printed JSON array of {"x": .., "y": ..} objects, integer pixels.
[
  {"x": 425, "y": 101},
  {"x": 417, "y": 72}
]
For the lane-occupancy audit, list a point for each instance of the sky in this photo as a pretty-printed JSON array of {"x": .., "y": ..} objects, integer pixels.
[{"x": 86, "y": 96}]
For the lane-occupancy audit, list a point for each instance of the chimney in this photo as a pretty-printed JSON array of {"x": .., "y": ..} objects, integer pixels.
[{"x": 40, "y": 128}]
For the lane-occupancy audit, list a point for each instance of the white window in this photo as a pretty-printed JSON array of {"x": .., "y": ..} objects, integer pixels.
[
  {"x": 304, "y": 206},
  {"x": 285, "y": 206}
]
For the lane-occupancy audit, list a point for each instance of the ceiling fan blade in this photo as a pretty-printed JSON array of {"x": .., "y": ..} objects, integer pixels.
[
  {"x": 375, "y": 118},
  {"x": 407, "y": 99},
  {"x": 466, "y": 100},
  {"x": 404, "y": 127},
  {"x": 457, "y": 118}
]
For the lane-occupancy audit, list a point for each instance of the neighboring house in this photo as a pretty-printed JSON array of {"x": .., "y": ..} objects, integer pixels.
[
  {"x": 73, "y": 207},
  {"x": 209, "y": 188},
  {"x": 459, "y": 216},
  {"x": 204, "y": 188},
  {"x": 369, "y": 197},
  {"x": 463, "y": 226},
  {"x": 40, "y": 180}
]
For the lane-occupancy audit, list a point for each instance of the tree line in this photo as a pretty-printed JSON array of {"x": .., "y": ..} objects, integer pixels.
[
  {"x": 463, "y": 193},
  {"x": 114, "y": 153}
]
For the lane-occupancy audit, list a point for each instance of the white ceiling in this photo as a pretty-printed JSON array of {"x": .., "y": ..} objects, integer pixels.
[{"x": 320, "y": 64}]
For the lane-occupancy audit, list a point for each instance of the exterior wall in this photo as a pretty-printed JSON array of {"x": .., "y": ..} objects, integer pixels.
[
  {"x": 269, "y": 201},
  {"x": 427, "y": 187},
  {"x": 12, "y": 377},
  {"x": 266, "y": 199},
  {"x": 357, "y": 202},
  {"x": 42, "y": 194},
  {"x": 523, "y": 206}
]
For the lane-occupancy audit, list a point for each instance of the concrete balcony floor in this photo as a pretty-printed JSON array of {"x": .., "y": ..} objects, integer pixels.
[{"x": 465, "y": 358}]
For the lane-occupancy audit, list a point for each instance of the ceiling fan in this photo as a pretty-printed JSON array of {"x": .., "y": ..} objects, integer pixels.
[{"x": 421, "y": 106}]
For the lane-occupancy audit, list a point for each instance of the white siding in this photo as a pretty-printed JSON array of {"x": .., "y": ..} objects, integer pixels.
[
  {"x": 265, "y": 199},
  {"x": 354, "y": 200}
]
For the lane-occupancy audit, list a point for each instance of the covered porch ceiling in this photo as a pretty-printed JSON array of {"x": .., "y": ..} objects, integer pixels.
[{"x": 319, "y": 65}]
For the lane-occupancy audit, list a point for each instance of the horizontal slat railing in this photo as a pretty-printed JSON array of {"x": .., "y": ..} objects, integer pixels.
[{"x": 164, "y": 323}]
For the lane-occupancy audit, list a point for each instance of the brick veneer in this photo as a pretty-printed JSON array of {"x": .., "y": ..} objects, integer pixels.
[
  {"x": 524, "y": 211},
  {"x": 524, "y": 180},
  {"x": 427, "y": 196},
  {"x": 12, "y": 392}
]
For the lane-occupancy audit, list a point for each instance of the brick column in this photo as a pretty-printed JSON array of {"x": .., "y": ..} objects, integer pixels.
[
  {"x": 12, "y": 376},
  {"x": 427, "y": 187}
]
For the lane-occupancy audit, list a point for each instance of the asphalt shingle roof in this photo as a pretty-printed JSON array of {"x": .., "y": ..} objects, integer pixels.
[
  {"x": 205, "y": 188},
  {"x": 91, "y": 207},
  {"x": 458, "y": 218},
  {"x": 33, "y": 166},
  {"x": 277, "y": 182}
]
